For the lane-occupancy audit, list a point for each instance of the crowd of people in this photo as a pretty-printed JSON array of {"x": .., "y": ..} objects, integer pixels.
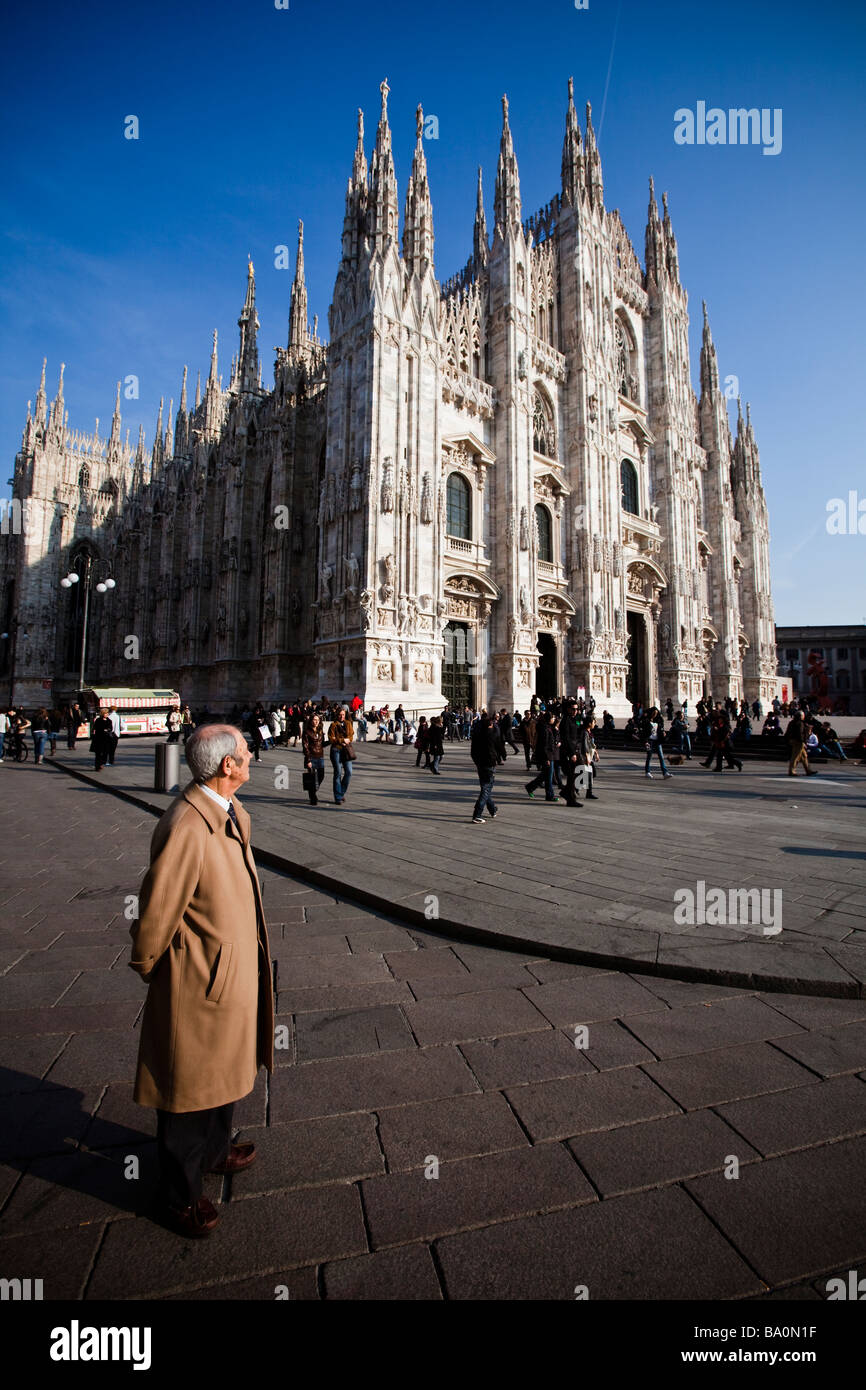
[{"x": 559, "y": 738}]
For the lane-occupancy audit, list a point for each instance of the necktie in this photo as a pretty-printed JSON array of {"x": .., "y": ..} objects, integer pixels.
[{"x": 232, "y": 817}]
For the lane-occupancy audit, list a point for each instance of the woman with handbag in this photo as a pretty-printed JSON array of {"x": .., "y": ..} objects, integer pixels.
[
  {"x": 313, "y": 742},
  {"x": 341, "y": 737},
  {"x": 435, "y": 747}
]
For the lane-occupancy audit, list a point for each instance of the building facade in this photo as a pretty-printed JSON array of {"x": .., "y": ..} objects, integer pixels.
[
  {"x": 477, "y": 489},
  {"x": 827, "y": 663}
]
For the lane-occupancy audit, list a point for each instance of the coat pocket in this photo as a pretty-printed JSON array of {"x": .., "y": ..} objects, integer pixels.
[{"x": 220, "y": 973}]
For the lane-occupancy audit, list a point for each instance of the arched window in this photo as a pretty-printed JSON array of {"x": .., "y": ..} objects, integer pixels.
[
  {"x": 628, "y": 478},
  {"x": 545, "y": 537},
  {"x": 84, "y": 476},
  {"x": 459, "y": 511},
  {"x": 543, "y": 429}
]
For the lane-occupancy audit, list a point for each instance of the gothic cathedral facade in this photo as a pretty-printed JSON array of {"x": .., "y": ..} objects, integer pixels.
[{"x": 474, "y": 491}]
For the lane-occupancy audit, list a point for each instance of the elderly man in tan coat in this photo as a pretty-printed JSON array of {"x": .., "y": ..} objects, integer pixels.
[{"x": 201, "y": 945}]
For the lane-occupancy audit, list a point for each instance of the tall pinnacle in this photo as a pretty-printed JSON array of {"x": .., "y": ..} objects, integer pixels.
[
  {"x": 594, "y": 184},
  {"x": 298, "y": 329},
  {"x": 158, "y": 454},
  {"x": 41, "y": 399},
  {"x": 383, "y": 182},
  {"x": 709, "y": 363},
  {"x": 248, "y": 323},
  {"x": 480, "y": 248},
  {"x": 357, "y": 192},
  {"x": 572, "y": 152},
  {"x": 114, "y": 438},
  {"x": 506, "y": 202},
  {"x": 418, "y": 217},
  {"x": 181, "y": 424},
  {"x": 656, "y": 263}
]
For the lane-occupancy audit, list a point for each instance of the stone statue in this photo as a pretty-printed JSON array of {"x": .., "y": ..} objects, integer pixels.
[
  {"x": 525, "y": 611},
  {"x": 352, "y": 573},
  {"x": 326, "y": 575},
  {"x": 426, "y": 500},
  {"x": 513, "y": 631},
  {"x": 524, "y": 530},
  {"x": 402, "y": 614},
  {"x": 387, "y": 497},
  {"x": 356, "y": 488},
  {"x": 368, "y": 598}
]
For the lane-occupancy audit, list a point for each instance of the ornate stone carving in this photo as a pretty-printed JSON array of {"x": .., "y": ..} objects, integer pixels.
[
  {"x": 426, "y": 500},
  {"x": 352, "y": 573},
  {"x": 386, "y": 503},
  {"x": 524, "y": 529}
]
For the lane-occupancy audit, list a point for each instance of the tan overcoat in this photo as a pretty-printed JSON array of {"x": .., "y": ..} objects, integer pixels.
[{"x": 201, "y": 945}]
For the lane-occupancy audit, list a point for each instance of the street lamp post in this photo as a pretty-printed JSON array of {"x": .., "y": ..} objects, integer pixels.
[{"x": 85, "y": 571}]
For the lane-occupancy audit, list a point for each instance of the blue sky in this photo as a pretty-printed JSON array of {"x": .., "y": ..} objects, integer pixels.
[{"x": 122, "y": 256}]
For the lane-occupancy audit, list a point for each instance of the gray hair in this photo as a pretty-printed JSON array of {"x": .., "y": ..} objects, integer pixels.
[{"x": 206, "y": 748}]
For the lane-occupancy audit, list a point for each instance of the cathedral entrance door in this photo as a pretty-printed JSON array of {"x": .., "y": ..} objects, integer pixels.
[
  {"x": 636, "y": 682},
  {"x": 545, "y": 675},
  {"x": 458, "y": 684}
]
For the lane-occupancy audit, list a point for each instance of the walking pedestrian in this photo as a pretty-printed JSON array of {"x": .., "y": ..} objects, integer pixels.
[
  {"x": 568, "y": 750},
  {"x": 797, "y": 735},
  {"x": 435, "y": 745},
  {"x": 114, "y": 717},
  {"x": 544, "y": 754},
  {"x": 484, "y": 752},
  {"x": 421, "y": 741},
  {"x": 653, "y": 727},
  {"x": 55, "y": 724},
  {"x": 102, "y": 741},
  {"x": 313, "y": 743},
  {"x": 74, "y": 720},
  {"x": 39, "y": 730},
  {"x": 341, "y": 736},
  {"x": 200, "y": 944},
  {"x": 173, "y": 722}
]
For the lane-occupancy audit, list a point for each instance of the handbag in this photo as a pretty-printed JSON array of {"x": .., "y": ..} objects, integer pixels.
[
  {"x": 349, "y": 753},
  {"x": 308, "y": 781}
]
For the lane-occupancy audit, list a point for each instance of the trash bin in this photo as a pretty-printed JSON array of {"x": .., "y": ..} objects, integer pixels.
[{"x": 166, "y": 767}]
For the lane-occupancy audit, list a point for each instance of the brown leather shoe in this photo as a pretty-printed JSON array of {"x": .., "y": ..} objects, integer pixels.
[
  {"x": 240, "y": 1156},
  {"x": 197, "y": 1220}
]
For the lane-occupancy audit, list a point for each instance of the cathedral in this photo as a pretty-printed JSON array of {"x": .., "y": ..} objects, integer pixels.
[{"x": 476, "y": 490}]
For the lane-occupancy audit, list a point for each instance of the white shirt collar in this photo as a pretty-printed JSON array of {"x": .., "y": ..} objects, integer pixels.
[{"x": 215, "y": 796}]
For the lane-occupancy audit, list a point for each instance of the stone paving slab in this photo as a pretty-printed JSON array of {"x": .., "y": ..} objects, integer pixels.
[
  {"x": 611, "y": 1248},
  {"x": 558, "y": 1164},
  {"x": 800, "y": 1118},
  {"x": 471, "y": 1192},
  {"x": 574, "y": 1105},
  {"x": 801, "y": 1213},
  {"x": 658, "y": 1152},
  {"x": 727, "y": 1073},
  {"x": 619, "y": 909}
]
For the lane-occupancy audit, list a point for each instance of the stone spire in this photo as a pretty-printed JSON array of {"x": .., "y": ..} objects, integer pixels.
[
  {"x": 41, "y": 416},
  {"x": 213, "y": 396},
  {"x": 383, "y": 183},
  {"x": 113, "y": 449},
  {"x": 480, "y": 249},
  {"x": 506, "y": 203},
  {"x": 56, "y": 422},
  {"x": 198, "y": 389},
  {"x": 655, "y": 243},
  {"x": 709, "y": 363},
  {"x": 572, "y": 153},
  {"x": 181, "y": 424},
  {"x": 248, "y": 323},
  {"x": 418, "y": 217},
  {"x": 157, "y": 457},
  {"x": 672, "y": 259},
  {"x": 298, "y": 324},
  {"x": 594, "y": 184},
  {"x": 355, "y": 218},
  {"x": 138, "y": 461}
]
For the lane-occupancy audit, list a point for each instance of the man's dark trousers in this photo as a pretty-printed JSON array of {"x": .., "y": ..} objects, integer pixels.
[{"x": 189, "y": 1144}]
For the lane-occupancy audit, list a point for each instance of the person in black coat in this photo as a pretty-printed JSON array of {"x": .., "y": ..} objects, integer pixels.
[
  {"x": 484, "y": 750},
  {"x": 102, "y": 743},
  {"x": 545, "y": 754},
  {"x": 435, "y": 746},
  {"x": 568, "y": 751}
]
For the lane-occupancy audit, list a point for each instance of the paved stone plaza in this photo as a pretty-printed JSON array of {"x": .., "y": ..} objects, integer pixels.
[{"x": 559, "y": 1166}]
